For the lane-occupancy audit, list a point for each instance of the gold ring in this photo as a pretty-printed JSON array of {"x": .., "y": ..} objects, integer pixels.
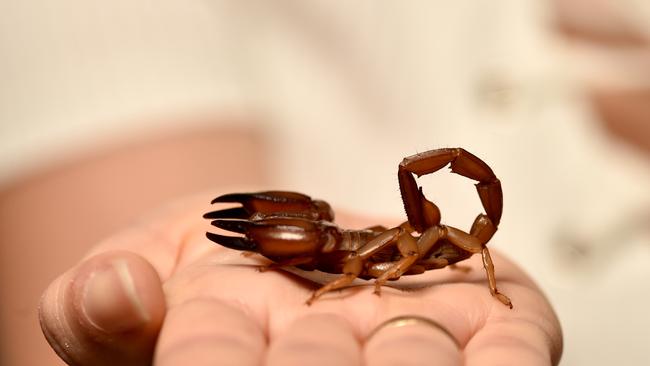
[{"x": 404, "y": 320}]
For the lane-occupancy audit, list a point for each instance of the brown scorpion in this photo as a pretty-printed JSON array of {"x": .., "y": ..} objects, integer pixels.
[{"x": 291, "y": 229}]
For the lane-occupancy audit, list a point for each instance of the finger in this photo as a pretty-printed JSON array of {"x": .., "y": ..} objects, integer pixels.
[
  {"x": 209, "y": 332},
  {"x": 106, "y": 311},
  {"x": 508, "y": 344},
  {"x": 411, "y": 343},
  {"x": 528, "y": 335},
  {"x": 169, "y": 238},
  {"x": 319, "y": 339}
]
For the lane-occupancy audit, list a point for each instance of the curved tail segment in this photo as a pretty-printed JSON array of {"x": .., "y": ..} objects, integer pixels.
[{"x": 421, "y": 212}]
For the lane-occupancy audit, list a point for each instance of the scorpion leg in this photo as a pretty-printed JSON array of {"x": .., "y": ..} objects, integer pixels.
[
  {"x": 462, "y": 239},
  {"x": 460, "y": 268},
  {"x": 412, "y": 252},
  {"x": 408, "y": 248},
  {"x": 489, "y": 268},
  {"x": 379, "y": 242},
  {"x": 377, "y": 269},
  {"x": 433, "y": 263},
  {"x": 472, "y": 244},
  {"x": 351, "y": 270},
  {"x": 355, "y": 262},
  {"x": 286, "y": 263}
]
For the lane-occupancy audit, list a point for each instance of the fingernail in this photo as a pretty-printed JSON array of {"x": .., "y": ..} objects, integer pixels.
[{"x": 110, "y": 300}]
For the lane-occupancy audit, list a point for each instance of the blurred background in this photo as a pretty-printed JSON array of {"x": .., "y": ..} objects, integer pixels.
[{"x": 110, "y": 109}]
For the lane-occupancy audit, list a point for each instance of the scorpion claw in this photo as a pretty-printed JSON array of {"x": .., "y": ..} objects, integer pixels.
[
  {"x": 237, "y": 243},
  {"x": 278, "y": 197},
  {"x": 272, "y": 203},
  {"x": 233, "y": 197},
  {"x": 238, "y": 226},
  {"x": 228, "y": 213}
]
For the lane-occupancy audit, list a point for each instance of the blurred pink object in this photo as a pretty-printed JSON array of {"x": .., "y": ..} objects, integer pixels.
[{"x": 610, "y": 44}]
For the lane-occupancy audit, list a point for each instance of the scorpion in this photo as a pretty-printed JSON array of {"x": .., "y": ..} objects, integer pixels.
[{"x": 292, "y": 229}]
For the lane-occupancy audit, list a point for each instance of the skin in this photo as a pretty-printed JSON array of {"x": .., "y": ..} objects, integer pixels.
[{"x": 162, "y": 284}]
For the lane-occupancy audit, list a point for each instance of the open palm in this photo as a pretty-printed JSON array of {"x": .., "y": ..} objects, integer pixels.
[{"x": 218, "y": 309}]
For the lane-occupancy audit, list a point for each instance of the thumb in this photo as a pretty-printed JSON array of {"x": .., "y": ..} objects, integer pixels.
[{"x": 108, "y": 310}]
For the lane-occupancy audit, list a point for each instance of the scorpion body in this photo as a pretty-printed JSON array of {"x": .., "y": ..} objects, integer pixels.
[{"x": 292, "y": 229}]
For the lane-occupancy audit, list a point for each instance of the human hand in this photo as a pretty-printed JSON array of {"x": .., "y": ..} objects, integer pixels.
[{"x": 212, "y": 306}]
